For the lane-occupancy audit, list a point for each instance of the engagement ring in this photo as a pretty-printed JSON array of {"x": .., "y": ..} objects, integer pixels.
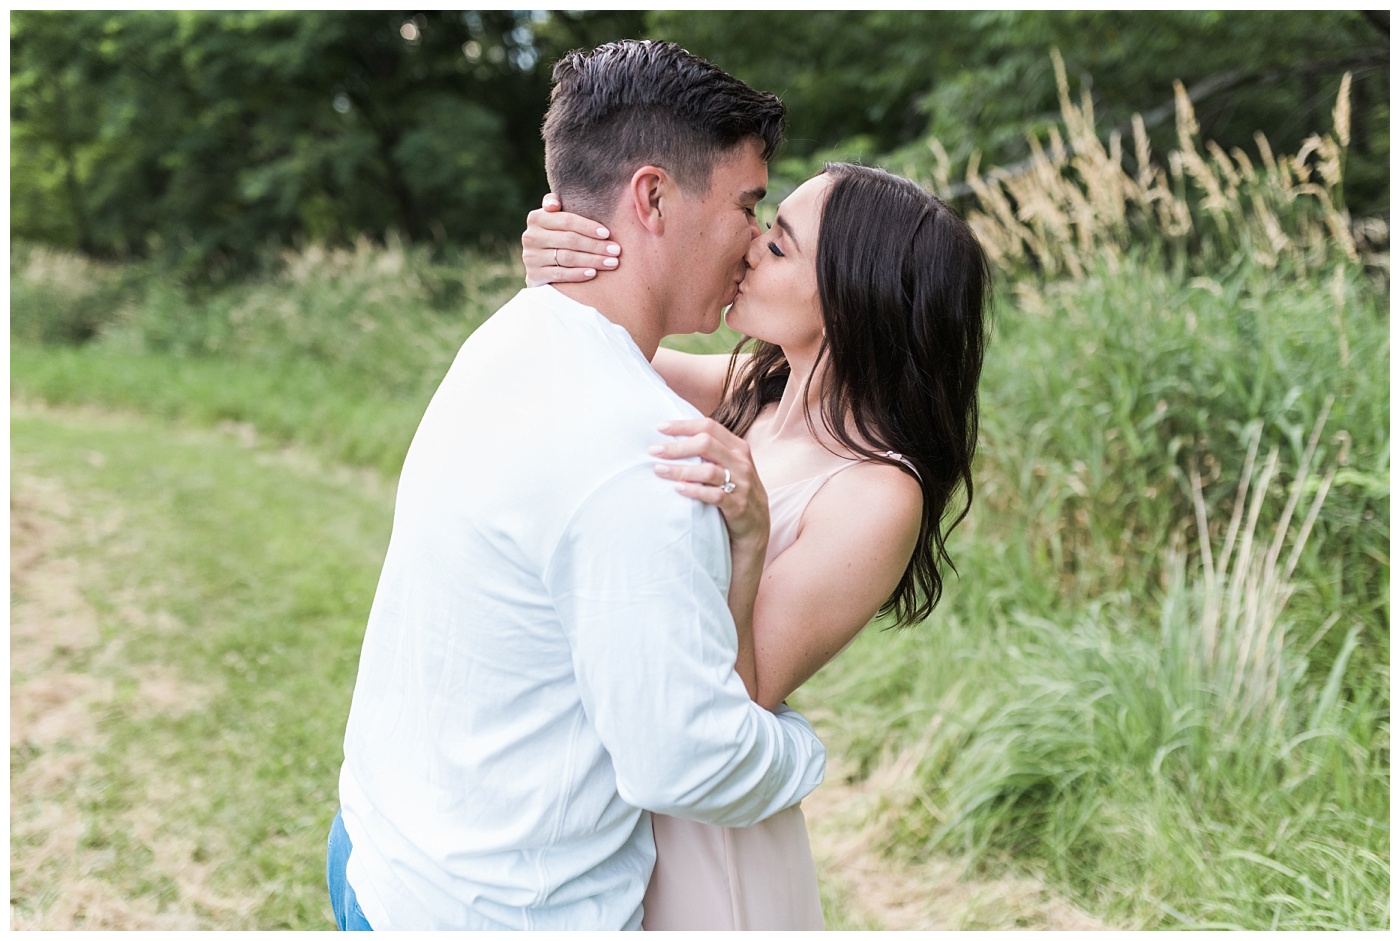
[{"x": 728, "y": 485}]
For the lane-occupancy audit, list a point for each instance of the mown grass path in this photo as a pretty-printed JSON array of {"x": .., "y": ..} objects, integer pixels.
[
  {"x": 186, "y": 608},
  {"x": 191, "y": 608}
]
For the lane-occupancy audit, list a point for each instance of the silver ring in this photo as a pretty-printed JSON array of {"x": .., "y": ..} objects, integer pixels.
[
  {"x": 556, "y": 258},
  {"x": 728, "y": 485}
]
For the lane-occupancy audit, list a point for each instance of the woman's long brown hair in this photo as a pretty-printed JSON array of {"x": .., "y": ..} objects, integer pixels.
[{"x": 904, "y": 288}]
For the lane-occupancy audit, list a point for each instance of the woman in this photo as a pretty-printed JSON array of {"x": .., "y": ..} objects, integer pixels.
[{"x": 835, "y": 450}]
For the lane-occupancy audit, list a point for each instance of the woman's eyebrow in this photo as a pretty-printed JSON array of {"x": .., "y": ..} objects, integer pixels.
[{"x": 781, "y": 223}]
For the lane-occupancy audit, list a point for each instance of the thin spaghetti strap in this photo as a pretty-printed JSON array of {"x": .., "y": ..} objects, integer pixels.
[{"x": 903, "y": 460}]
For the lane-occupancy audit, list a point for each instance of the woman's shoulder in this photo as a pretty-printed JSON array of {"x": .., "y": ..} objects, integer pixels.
[
  {"x": 863, "y": 522},
  {"x": 878, "y": 478},
  {"x": 872, "y": 494}
]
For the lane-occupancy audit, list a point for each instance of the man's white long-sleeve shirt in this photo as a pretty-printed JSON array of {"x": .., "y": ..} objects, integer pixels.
[{"x": 549, "y": 653}]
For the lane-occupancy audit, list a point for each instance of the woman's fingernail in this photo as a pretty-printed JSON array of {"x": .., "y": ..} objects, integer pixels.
[
  {"x": 610, "y": 262},
  {"x": 614, "y": 249},
  {"x": 589, "y": 272},
  {"x": 664, "y": 426},
  {"x": 663, "y": 470},
  {"x": 551, "y": 201},
  {"x": 656, "y": 449},
  {"x": 602, "y": 232}
]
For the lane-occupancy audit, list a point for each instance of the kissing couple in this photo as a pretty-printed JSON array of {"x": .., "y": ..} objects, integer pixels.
[{"x": 611, "y": 563}]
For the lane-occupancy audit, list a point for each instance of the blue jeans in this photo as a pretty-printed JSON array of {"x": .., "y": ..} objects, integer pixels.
[{"x": 348, "y": 916}]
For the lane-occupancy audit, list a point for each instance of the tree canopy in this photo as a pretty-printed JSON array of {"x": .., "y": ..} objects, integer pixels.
[{"x": 204, "y": 138}]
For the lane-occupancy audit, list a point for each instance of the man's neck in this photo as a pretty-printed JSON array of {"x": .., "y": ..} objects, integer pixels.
[{"x": 628, "y": 303}]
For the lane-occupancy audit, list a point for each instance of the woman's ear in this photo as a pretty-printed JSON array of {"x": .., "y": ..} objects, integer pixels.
[{"x": 646, "y": 195}]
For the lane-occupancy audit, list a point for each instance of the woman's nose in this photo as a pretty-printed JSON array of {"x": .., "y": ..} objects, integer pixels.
[{"x": 755, "y": 253}]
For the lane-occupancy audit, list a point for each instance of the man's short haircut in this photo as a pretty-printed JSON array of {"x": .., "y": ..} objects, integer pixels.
[{"x": 628, "y": 104}]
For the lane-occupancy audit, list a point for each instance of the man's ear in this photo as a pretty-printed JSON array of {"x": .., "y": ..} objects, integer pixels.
[{"x": 647, "y": 194}]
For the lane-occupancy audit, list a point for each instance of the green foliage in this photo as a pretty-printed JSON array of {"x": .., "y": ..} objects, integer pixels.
[
  {"x": 1131, "y": 59},
  {"x": 843, "y": 74},
  {"x": 201, "y": 137}
]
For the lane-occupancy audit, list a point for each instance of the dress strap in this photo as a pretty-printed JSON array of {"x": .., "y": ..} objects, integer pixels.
[{"x": 903, "y": 460}]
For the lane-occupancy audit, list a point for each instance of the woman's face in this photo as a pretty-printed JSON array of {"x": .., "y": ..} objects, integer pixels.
[{"x": 777, "y": 301}]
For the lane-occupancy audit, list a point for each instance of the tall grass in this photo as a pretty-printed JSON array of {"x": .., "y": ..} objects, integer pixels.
[
  {"x": 340, "y": 349},
  {"x": 1162, "y": 677},
  {"x": 1102, "y": 394},
  {"x": 392, "y": 313},
  {"x": 1075, "y": 204},
  {"x": 1191, "y": 775},
  {"x": 59, "y": 298}
]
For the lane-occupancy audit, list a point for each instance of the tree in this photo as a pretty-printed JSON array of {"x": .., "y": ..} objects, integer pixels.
[{"x": 204, "y": 136}]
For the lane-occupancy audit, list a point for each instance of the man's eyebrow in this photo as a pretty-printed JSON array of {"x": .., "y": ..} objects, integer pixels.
[
  {"x": 781, "y": 223},
  {"x": 754, "y": 196}
]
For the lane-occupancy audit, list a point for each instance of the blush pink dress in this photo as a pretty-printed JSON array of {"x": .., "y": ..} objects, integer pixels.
[{"x": 711, "y": 878}]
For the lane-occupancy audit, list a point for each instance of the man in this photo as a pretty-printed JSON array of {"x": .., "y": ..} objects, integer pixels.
[{"x": 550, "y": 654}]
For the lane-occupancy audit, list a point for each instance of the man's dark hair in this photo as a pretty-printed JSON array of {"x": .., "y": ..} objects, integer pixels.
[{"x": 636, "y": 102}]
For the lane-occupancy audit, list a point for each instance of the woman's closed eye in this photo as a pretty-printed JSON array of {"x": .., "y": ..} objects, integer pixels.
[{"x": 772, "y": 247}]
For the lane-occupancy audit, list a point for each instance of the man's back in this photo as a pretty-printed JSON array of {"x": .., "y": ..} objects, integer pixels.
[{"x": 546, "y": 646}]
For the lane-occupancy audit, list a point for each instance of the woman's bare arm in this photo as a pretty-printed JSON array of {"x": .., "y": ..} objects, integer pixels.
[
  {"x": 857, "y": 537},
  {"x": 698, "y": 378}
]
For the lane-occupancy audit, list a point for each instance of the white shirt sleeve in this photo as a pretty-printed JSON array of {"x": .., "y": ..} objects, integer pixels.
[{"x": 639, "y": 580}]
